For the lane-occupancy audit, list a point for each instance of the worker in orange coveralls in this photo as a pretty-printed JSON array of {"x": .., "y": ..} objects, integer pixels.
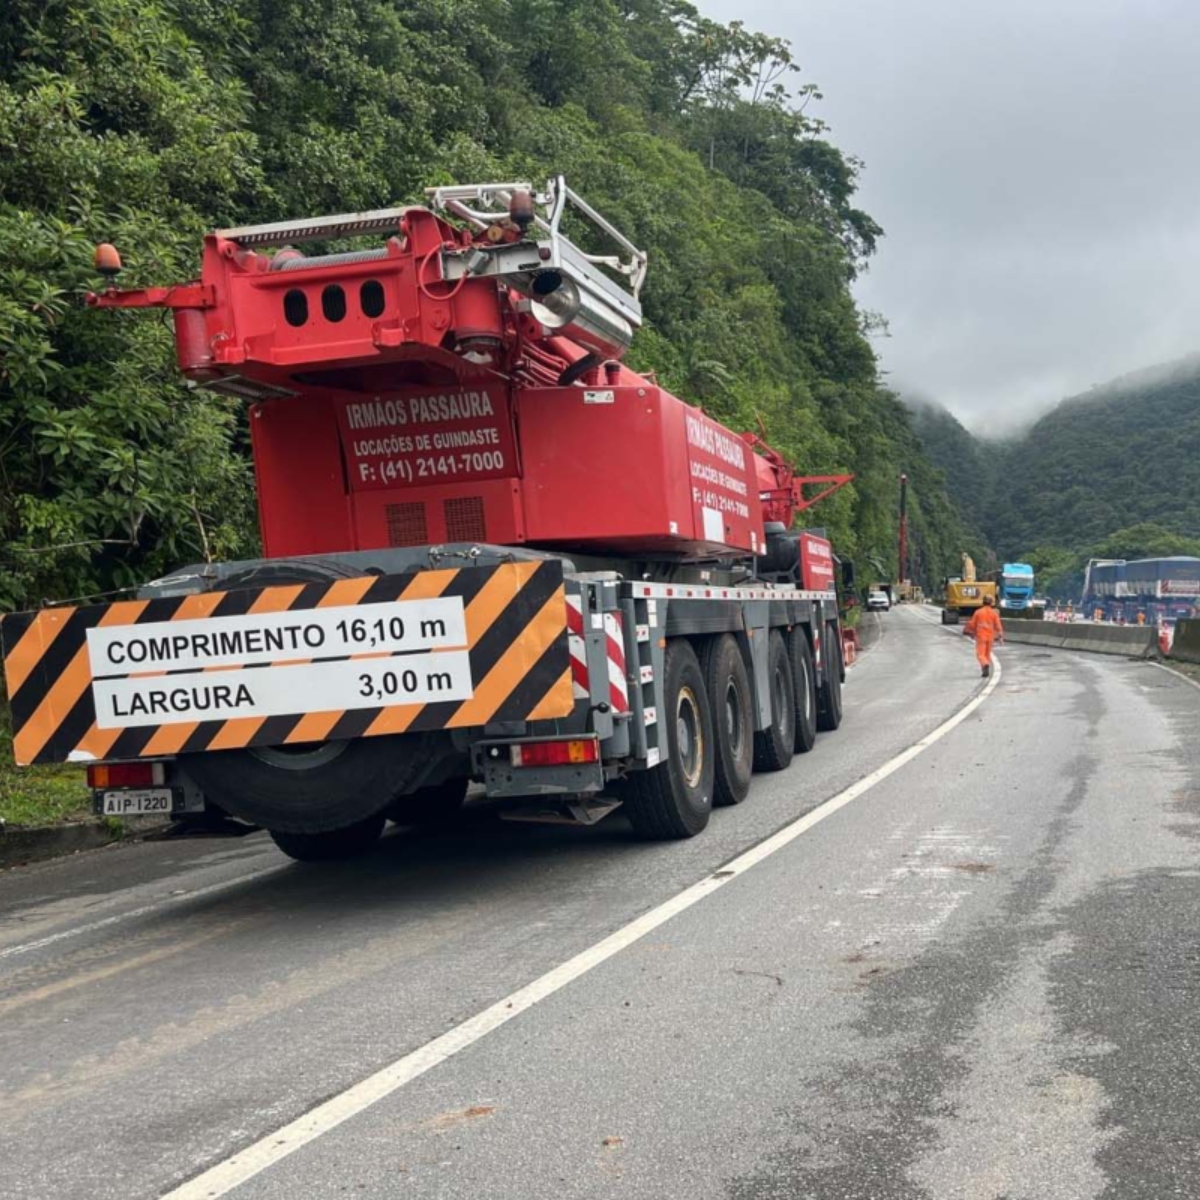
[{"x": 985, "y": 628}]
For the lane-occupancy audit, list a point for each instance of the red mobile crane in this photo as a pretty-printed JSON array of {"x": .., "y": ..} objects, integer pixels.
[{"x": 492, "y": 552}]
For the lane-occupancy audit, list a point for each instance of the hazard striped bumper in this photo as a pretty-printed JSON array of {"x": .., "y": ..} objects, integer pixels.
[{"x": 361, "y": 657}]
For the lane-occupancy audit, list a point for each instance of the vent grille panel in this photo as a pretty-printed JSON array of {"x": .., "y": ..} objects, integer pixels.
[
  {"x": 406, "y": 524},
  {"x": 464, "y": 519}
]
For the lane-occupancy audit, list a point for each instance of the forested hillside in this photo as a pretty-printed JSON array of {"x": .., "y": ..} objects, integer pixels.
[
  {"x": 145, "y": 122},
  {"x": 1114, "y": 472},
  {"x": 968, "y": 465},
  {"x": 1122, "y": 454}
]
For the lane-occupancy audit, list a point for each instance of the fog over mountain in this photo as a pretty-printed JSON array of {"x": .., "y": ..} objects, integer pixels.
[
  {"x": 1113, "y": 472},
  {"x": 1031, "y": 166}
]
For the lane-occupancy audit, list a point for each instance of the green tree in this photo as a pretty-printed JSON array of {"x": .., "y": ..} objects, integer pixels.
[
  {"x": 111, "y": 127},
  {"x": 146, "y": 122}
]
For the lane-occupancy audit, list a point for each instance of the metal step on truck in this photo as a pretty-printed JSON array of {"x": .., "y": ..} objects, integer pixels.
[{"x": 491, "y": 551}]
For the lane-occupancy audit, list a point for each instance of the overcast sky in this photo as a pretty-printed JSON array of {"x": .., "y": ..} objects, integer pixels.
[{"x": 1036, "y": 167}]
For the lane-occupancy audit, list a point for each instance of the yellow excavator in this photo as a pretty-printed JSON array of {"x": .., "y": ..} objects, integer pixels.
[{"x": 965, "y": 593}]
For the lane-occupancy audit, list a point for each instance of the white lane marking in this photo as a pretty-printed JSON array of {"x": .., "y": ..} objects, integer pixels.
[
  {"x": 167, "y": 901},
  {"x": 1178, "y": 674},
  {"x": 225, "y": 1176}
]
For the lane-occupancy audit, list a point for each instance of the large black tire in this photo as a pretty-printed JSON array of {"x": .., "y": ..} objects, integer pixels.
[
  {"x": 949, "y": 617},
  {"x": 675, "y": 798},
  {"x": 804, "y": 680},
  {"x": 829, "y": 695},
  {"x": 775, "y": 745},
  {"x": 311, "y": 788},
  {"x": 332, "y": 845},
  {"x": 316, "y": 787},
  {"x": 732, "y": 704},
  {"x": 436, "y": 805}
]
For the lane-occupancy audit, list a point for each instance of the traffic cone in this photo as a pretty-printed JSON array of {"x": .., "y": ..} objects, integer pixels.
[{"x": 850, "y": 646}]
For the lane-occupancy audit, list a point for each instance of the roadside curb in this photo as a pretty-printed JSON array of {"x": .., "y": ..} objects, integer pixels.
[{"x": 20, "y": 846}]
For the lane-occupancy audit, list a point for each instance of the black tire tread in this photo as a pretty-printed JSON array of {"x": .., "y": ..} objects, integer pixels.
[
  {"x": 333, "y": 845},
  {"x": 829, "y": 695},
  {"x": 726, "y": 789},
  {"x": 649, "y": 796},
  {"x": 802, "y": 660},
  {"x": 773, "y": 750},
  {"x": 650, "y": 805}
]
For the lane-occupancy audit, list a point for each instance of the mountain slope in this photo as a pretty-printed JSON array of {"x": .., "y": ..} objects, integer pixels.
[
  {"x": 1113, "y": 471},
  {"x": 968, "y": 464},
  {"x": 1122, "y": 454}
]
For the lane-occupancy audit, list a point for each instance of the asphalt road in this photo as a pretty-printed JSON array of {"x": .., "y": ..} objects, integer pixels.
[{"x": 976, "y": 977}]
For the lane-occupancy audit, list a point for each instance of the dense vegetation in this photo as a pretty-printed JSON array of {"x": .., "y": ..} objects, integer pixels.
[
  {"x": 1112, "y": 473},
  {"x": 145, "y": 122}
]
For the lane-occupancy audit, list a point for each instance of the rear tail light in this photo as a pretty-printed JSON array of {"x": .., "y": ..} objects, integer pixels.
[
  {"x": 557, "y": 753},
  {"x": 125, "y": 775}
]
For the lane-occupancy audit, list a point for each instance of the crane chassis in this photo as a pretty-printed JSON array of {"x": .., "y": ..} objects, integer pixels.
[{"x": 493, "y": 553}]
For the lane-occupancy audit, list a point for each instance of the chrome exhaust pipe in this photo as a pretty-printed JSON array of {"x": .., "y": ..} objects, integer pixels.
[{"x": 562, "y": 306}]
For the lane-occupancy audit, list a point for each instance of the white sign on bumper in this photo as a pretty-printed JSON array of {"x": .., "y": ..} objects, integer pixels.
[{"x": 272, "y": 691}]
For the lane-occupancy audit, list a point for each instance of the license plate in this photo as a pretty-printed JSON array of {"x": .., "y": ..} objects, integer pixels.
[{"x": 137, "y": 801}]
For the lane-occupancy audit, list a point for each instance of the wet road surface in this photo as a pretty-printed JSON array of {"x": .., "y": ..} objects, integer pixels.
[{"x": 978, "y": 979}]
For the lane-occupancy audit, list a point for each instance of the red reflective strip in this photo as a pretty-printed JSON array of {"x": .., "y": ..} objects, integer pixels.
[
  {"x": 579, "y": 673},
  {"x": 616, "y": 652},
  {"x": 614, "y": 641},
  {"x": 574, "y": 618}
]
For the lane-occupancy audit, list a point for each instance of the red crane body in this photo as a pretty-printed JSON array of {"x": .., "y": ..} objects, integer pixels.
[
  {"x": 511, "y": 558},
  {"x": 461, "y": 382}
]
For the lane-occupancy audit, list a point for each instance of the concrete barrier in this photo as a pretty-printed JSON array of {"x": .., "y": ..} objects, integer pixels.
[
  {"x": 1129, "y": 641},
  {"x": 1186, "y": 644}
]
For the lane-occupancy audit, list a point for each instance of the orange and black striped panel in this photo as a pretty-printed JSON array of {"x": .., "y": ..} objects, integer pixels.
[{"x": 516, "y": 639}]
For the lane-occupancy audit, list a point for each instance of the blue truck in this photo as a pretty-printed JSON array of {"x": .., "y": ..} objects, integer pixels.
[{"x": 1014, "y": 590}]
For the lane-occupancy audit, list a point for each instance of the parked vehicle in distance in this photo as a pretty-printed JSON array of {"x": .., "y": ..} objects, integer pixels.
[{"x": 877, "y": 602}]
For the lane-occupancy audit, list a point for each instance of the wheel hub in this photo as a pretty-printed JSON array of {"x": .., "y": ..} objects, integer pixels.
[
  {"x": 689, "y": 737},
  {"x": 733, "y": 718}
]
